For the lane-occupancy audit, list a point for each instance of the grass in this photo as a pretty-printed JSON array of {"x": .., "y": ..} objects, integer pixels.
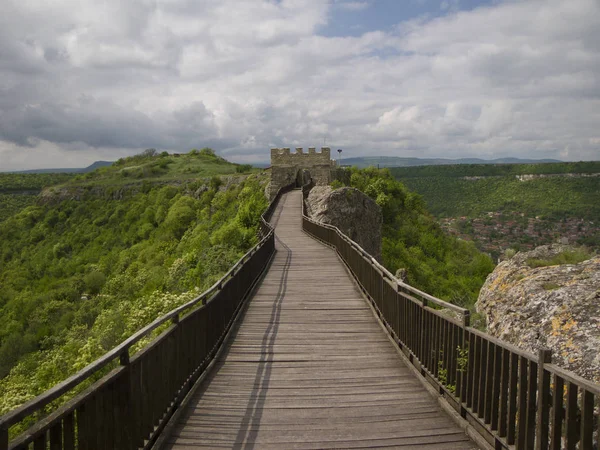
[
  {"x": 567, "y": 257},
  {"x": 151, "y": 167},
  {"x": 550, "y": 286}
]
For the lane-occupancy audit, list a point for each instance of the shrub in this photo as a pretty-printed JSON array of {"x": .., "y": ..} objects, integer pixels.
[
  {"x": 243, "y": 168},
  {"x": 566, "y": 257},
  {"x": 94, "y": 281},
  {"x": 207, "y": 152}
]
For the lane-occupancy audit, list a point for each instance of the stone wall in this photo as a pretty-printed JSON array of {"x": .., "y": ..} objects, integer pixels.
[{"x": 285, "y": 166}]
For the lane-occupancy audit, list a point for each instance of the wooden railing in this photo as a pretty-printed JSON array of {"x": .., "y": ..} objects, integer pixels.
[
  {"x": 128, "y": 407},
  {"x": 512, "y": 398}
]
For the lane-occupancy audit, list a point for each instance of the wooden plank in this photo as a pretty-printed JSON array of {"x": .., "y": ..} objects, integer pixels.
[{"x": 310, "y": 367}]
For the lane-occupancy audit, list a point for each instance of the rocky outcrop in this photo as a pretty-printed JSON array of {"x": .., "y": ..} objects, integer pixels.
[
  {"x": 354, "y": 213},
  {"x": 551, "y": 306}
]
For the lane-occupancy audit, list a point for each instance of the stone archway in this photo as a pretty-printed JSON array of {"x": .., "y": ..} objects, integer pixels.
[{"x": 302, "y": 177}]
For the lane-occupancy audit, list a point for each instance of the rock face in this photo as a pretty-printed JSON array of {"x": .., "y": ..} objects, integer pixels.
[
  {"x": 555, "y": 307},
  {"x": 354, "y": 213}
]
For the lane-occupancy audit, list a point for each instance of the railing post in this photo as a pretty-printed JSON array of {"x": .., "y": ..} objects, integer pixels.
[
  {"x": 543, "y": 400},
  {"x": 125, "y": 420},
  {"x": 423, "y": 358},
  {"x": 466, "y": 322},
  {"x": 3, "y": 436},
  {"x": 462, "y": 366},
  {"x": 124, "y": 358}
]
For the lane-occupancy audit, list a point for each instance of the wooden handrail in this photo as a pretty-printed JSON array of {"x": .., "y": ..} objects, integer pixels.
[{"x": 508, "y": 395}]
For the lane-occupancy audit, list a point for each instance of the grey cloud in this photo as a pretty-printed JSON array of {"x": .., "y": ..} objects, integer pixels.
[
  {"x": 241, "y": 76},
  {"x": 105, "y": 124}
]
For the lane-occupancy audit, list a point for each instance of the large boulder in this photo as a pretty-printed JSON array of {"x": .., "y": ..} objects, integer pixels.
[
  {"x": 354, "y": 213},
  {"x": 533, "y": 305}
]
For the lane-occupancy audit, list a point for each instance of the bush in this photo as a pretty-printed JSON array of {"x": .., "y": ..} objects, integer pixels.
[
  {"x": 215, "y": 183},
  {"x": 207, "y": 152},
  {"x": 94, "y": 281},
  {"x": 243, "y": 168}
]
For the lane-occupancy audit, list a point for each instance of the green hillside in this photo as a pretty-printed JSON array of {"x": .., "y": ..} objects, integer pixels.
[
  {"x": 19, "y": 190},
  {"x": 547, "y": 197},
  {"x": 151, "y": 167},
  {"x": 77, "y": 276},
  {"x": 449, "y": 193}
]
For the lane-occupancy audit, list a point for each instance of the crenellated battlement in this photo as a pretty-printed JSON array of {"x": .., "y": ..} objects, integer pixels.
[
  {"x": 283, "y": 155},
  {"x": 286, "y": 165}
]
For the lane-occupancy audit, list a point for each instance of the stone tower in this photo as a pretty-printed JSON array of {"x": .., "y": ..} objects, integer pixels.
[{"x": 286, "y": 167}]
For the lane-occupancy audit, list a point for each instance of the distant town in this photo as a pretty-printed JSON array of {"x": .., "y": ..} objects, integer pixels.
[{"x": 495, "y": 232}]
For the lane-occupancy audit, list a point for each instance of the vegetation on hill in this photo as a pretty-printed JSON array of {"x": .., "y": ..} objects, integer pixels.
[
  {"x": 436, "y": 263},
  {"x": 18, "y": 190},
  {"x": 448, "y": 193},
  {"x": 547, "y": 197},
  {"x": 151, "y": 166},
  {"x": 79, "y": 276},
  {"x": 18, "y": 182}
]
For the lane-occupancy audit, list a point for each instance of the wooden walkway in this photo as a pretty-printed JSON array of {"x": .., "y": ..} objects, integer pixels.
[{"x": 309, "y": 366}]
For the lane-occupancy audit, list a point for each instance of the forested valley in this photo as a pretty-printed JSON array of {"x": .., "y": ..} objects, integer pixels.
[{"x": 512, "y": 206}]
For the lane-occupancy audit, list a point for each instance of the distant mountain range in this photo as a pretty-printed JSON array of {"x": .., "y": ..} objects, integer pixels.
[
  {"x": 397, "y": 161},
  {"x": 90, "y": 168}
]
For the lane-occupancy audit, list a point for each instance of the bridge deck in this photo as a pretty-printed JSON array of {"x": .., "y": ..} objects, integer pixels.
[{"x": 310, "y": 367}]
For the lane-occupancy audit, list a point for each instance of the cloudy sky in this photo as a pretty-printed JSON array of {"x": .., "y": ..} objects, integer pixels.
[{"x": 84, "y": 80}]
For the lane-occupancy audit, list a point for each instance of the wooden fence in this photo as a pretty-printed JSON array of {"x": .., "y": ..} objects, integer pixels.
[
  {"x": 512, "y": 398},
  {"x": 128, "y": 407}
]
